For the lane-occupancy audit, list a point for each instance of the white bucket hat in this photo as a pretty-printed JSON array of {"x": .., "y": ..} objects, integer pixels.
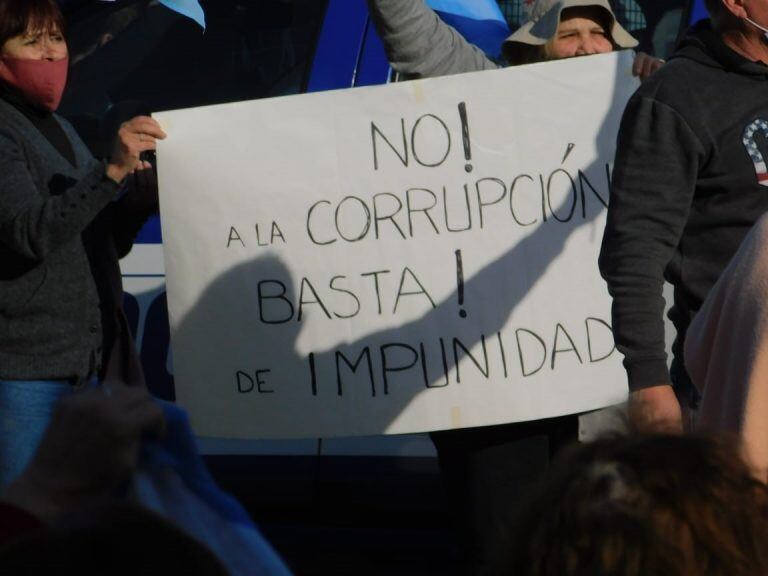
[{"x": 544, "y": 17}]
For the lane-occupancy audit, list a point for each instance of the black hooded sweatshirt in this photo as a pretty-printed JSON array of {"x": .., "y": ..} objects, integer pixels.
[{"x": 690, "y": 179}]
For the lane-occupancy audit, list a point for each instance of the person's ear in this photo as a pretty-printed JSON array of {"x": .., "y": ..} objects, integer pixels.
[{"x": 736, "y": 7}]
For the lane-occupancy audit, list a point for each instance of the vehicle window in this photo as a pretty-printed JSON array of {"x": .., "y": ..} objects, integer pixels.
[
  {"x": 655, "y": 23},
  {"x": 134, "y": 57}
]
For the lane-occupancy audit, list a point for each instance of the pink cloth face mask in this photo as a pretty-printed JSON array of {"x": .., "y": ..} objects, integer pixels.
[{"x": 41, "y": 82}]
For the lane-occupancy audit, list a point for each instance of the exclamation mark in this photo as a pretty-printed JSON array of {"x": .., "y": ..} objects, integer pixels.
[
  {"x": 460, "y": 283},
  {"x": 465, "y": 136},
  {"x": 313, "y": 373}
]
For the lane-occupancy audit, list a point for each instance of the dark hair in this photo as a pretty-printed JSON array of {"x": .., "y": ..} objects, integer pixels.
[
  {"x": 672, "y": 505},
  {"x": 18, "y": 16}
]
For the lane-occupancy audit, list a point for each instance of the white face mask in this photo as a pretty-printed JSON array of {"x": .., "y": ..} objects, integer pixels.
[{"x": 756, "y": 25}]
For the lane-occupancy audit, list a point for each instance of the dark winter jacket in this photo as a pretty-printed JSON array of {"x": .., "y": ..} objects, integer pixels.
[{"x": 689, "y": 182}]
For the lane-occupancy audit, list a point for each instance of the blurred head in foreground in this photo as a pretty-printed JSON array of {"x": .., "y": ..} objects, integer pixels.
[{"x": 640, "y": 506}]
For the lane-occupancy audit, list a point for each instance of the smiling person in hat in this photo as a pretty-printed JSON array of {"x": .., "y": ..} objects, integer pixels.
[
  {"x": 420, "y": 45},
  {"x": 566, "y": 28}
]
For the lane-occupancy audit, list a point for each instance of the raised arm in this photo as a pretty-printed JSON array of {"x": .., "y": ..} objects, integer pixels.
[{"x": 419, "y": 44}]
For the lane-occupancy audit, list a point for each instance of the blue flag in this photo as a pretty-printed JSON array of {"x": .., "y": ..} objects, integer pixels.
[
  {"x": 188, "y": 8},
  {"x": 479, "y": 21}
]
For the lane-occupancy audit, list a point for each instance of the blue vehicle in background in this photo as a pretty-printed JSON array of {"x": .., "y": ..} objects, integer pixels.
[{"x": 133, "y": 57}]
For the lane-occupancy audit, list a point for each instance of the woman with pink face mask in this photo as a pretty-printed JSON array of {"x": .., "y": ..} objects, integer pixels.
[{"x": 65, "y": 220}]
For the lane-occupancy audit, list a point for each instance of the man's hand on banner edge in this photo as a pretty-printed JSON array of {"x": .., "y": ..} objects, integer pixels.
[{"x": 655, "y": 410}]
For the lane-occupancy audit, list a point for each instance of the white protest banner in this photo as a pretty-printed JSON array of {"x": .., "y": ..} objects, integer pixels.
[{"x": 403, "y": 258}]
